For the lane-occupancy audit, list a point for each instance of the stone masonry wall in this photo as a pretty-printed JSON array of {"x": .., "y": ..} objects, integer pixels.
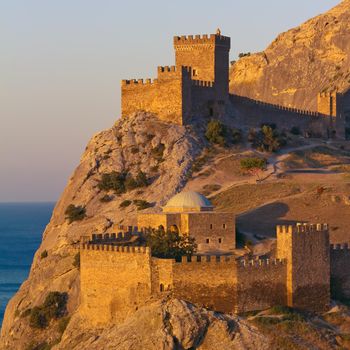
[
  {"x": 114, "y": 281},
  {"x": 206, "y": 283},
  {"x": 260, "y": 285},
  {"x": 340, "y": 267},
  {"x": 306, "y": 249}
]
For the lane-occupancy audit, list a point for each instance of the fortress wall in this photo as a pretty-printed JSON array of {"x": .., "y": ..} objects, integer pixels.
[
  {"x": 163, "y": 98},
  {"x": 203, "y": 99},
  {"x": 113, "y": 283},
  {"x": 260, "y": 285},
  {"x": 340, "y": 267},
  {"x": 162, "y": 275},
  {"x": 306, "y": 249},
  {"x": 254, "y": 113},
  {"x": 206, "y": 283}
]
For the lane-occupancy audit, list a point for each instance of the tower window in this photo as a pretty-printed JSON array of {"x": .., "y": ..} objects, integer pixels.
[
  {"x": 194, "y": 72},
  {"x": 211, "y": 111},
  {"x": 220, "y": 240},
  {"x": 211, "y": 226},
  {"x": 207, "y": 241},
  {"x": 224, "y": 226}
]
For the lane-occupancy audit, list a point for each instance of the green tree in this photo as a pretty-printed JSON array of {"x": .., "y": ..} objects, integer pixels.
[
  {"x": 75, "y": 213},
  {"x": 112, "y": 181},
  {"x": 216, "y": 132},
  {"x": 170, "y": 244}
]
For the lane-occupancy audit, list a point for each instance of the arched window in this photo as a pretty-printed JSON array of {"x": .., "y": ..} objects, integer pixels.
[{"x": 161, "y": 287}]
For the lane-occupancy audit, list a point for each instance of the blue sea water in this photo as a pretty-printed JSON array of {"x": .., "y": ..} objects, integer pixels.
[{"x": 21, "y": 229}]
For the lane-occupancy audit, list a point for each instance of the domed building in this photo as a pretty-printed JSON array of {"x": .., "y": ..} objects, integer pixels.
[{"x": 192, "y": 213}]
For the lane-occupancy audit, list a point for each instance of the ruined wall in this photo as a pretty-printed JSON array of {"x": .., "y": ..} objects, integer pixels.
[
  {"x": 340, "y": 275},
  {"x": 218, "y": 228},
  {"x": 162, "y": 276},
  {"x": 260, "y": 285},
  {"x": 252, "y": 114},
  {"x": 306, "y": 249},
  {"x": 206, "y": 283},
  {"x": 163, "y": 219},
  {"x": 163, "y": 96},
  {"x": 114, "y": 281}
]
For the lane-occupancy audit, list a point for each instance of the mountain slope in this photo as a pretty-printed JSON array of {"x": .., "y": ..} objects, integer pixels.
[{"x": 299, "y": 63}]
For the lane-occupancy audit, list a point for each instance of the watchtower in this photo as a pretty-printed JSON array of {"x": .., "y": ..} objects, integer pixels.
[
  {"x": 208, "y": 55},
  {"x": 327, "y": 103},
  {"x": 306, "y": 249}
]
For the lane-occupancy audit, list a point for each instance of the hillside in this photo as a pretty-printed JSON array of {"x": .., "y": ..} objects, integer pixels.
[{"x": 299, "y": 63}]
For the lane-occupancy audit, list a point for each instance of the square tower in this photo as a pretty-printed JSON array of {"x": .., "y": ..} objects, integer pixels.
[
  {"x": 306, "y": 250},
  {"x": 208, "y": 56}
]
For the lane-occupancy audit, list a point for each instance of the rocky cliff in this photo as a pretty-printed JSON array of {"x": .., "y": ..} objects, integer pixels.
[
  {"x": 163, "y": 152},
  {"x": 299, "y": 63}
]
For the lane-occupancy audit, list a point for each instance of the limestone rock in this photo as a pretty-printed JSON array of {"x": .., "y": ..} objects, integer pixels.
[{"x": 299, "y": 63}]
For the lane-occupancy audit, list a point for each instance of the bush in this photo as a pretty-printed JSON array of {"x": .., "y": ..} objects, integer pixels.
[
  {"x": 54, "y": 307},
  {"x": 236, "y": 135},
  {"x": 244, "y": 54},
  {"x": 170, "y": 244},
  {"x": 130, "y": 183},
  {"x": 112, "y": 181},
  {"x": 76, "y": 261},
  {"x": 142, "y": 204},
  {"x": 125, "y": 203},
  {"x": 40, "y": 346},
  {"x": 75, "y": 213},
  {"x": 44, "y": 254},
  {"x": 106, "y": 198},
  {"x": 267, "y": 139},
  {"x": 252, "y": 163},
  {"x": 216, "y": 132}
]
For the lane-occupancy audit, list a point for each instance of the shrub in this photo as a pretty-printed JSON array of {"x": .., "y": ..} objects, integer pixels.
[
  {"x": 125, "y": 203},
  {"x": 130, "y": 183},
  {"x": 26, "y": 313},
  {"x": 134, "y": 150},
  {"x": 141, "y": 179},
  {"x": 112, "y": 181},
  {"x": 40, "y": 346},
  {"x": 216, "y": 132},
  {"x": 244, "y": 54},
  {"x": 158, "y": 151},
  {"x": 236, "y": 135},
  {"x": 267, "y": 139},
  {"x": 54, "y": 306},
  {"x": 142, "y": 204},
  {"x": 76, "y": 261},
  {"x": 106, "y": 198},
  {"x": 75, "y": 213},
  {"x": 251, "y": 163},
  {"x": 170, "y": 244},
  {"x": 44, "y": 254}
]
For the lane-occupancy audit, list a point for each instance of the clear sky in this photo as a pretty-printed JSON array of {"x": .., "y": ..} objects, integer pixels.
[{"x": 61, "y": 63}]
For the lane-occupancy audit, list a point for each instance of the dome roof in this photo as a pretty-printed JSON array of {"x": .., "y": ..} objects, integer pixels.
[{"x": 188, "y": 202}]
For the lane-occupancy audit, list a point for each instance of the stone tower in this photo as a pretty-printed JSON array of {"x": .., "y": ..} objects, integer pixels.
[
  {"x": 327, "y": 103},
  {"x": 306, "y": 250},
  {"x": 209, "y": 58}
]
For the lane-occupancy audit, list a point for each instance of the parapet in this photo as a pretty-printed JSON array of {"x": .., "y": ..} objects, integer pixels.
[
  {"x": 341, "y": 247},
  {"x": 172, "y": 71},
  {"x": 261, "y": 263},
  {"x": 202, "y": 83},
  {"x": 207, "y": 259},
  {"x": 328, "y": 94},
  {"x": 202, "y": 39},
  {"x": 138, "y": 82},
  {"x": 300, "y": 228},
  {"x": 113, "y": 248}
]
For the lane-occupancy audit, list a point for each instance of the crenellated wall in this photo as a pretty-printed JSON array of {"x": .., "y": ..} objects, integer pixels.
[
  {"x": 114, "y": 281},
  {"x": 340, "y": 268},
  {"x": 306, "y": 250}
]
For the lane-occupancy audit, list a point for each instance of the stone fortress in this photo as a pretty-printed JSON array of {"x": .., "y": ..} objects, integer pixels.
[
  {"x": 197, "y": 88},
  {"x": 298, "y": 274}
]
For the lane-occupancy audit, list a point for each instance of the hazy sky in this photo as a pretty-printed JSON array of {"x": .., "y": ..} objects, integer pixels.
[{"x": 62, "y": 61}]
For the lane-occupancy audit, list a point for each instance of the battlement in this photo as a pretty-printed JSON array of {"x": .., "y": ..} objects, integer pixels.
[
  {"x": 202, "y": 39},
  {"x": 300, "y": 228},
  {"x": 275, "y": 107},
  {"x": 113, "y": 248},
  {"x": 261, "y": 262},
  {"x": 139, "y": 82},
  {"x": 201, "y": 83},
  {"x": 207, "y": 259},
  {"x": 328, "y": 94},
  {"x": 340, "y": 247}
]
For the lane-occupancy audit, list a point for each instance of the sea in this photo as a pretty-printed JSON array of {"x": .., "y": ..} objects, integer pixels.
[{"x": 21, "y": 229}]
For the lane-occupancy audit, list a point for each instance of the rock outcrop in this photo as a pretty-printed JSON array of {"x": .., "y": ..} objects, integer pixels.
[
  {"x": 162, "y": 151},
  {"x": 299, "y": 63}
]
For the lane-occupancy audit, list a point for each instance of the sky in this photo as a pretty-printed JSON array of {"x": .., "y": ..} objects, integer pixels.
[{"x": 61, "y": 63}]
